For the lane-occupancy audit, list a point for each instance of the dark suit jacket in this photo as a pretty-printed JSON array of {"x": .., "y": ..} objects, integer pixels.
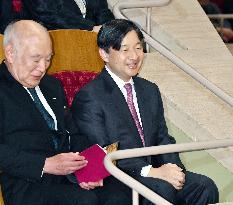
[
  {"x": 58, "y": 14},
  {"x": 228, "y": 9},
  {"x": 7, "y": 14},
  {"x": 25, "y": 139},
  {"x": 102, "y": 114}
]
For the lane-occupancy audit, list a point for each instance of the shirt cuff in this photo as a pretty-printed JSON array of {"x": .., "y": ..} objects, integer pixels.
[{"x": 145, "y": 171}]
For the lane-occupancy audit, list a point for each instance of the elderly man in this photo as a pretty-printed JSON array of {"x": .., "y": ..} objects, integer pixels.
[
  {"x": 38, "y": 142},
  {"x": 119, "y": 106}
]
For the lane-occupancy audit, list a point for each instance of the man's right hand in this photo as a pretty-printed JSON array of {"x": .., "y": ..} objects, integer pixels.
[
  {"x": 64, "y": 163},
  {"x": 96, "y": 28},
  {"x": 170, "y": 173}
]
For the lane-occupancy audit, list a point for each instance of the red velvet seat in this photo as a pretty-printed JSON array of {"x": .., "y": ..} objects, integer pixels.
[{"x": 73, "y": 81}]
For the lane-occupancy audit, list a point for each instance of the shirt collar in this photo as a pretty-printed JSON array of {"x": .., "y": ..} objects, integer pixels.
[
  {"x": 36, "y": 88},
  {"x": 120, "y": 83}
]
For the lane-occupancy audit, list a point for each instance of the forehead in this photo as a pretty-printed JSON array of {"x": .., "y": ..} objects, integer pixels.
[
  {"x": 131, "y": 38},
  {"x": 36, "y": 45}
]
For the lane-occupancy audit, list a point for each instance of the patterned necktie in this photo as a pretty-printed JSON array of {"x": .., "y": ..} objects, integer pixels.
[
  {"x": 48, "y": 118},
  {"x": 132, "y": 109}
]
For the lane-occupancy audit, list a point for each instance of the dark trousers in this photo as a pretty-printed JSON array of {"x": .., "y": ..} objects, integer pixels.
[
  {"x": 112, "y": 193},
  {"x": 65, "y": 193},
  {"x": 197, "y": 190}
]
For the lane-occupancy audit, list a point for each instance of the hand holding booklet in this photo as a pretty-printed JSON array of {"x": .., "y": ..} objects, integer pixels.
[{"x": 95, "y": 170}]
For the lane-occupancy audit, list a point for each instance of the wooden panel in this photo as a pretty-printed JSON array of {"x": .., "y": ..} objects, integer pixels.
[
  {"x": 75, "y": 50},
  {"x": 1, "y": 199}
]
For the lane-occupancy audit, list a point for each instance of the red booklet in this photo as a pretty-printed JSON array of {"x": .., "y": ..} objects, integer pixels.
[{"x": 95, "y": 170}]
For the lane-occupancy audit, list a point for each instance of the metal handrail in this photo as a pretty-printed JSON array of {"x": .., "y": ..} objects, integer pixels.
[
  {"x": 155, "y": 150},
  {"x": 220, "y": 16},
  {"x": 166, "y": 52}
]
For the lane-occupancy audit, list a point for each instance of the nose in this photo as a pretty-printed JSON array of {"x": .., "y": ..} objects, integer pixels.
[
  {"x": 133, "y": 54},
  {"x": 43, "y": 65}
]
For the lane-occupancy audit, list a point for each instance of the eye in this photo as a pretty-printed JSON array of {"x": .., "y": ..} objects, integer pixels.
[
  {"x": 36, "y": 59},
  {"x": 139, "y": 47},
  {"x": 124, "y": 49}
]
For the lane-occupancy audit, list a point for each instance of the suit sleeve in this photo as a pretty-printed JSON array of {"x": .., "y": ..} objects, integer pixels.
[
  {"x": 19, "y": 163},
  {"x": 57, "y": 14},
  {"x": 89, "y": 118},
  {"x": 163, "y": 137}
]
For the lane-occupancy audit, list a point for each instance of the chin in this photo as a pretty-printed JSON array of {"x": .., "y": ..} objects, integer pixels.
[
  {"x": 134, "y": 73},
  {"x": 34, "y": 83}
]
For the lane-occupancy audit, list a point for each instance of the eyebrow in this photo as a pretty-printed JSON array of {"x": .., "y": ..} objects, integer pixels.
[
  {"x": 35, "y": 56},
  {"x": 38, "y": 56},
  {"x": 138, "y": 43}
]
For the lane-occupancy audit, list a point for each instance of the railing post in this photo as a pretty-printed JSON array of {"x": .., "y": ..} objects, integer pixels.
[
  {"x": 135, "y": 196},
  {"x": 148, "y": 26}
]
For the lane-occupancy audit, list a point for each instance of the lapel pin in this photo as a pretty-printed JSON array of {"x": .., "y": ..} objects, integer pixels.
[{"x": 54, "y": 98}]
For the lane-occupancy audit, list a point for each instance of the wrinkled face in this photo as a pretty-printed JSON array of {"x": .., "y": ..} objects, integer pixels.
[
  {"x": 29, "y": 62},
  {"x": 126, "y": 62}
]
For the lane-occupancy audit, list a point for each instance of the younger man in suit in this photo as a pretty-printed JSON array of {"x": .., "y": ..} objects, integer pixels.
[
  {"x": 38, "y": 143},
  {"x": 119, "y": 106}
]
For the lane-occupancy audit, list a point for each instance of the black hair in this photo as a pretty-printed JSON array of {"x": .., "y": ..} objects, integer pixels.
[{"x": 113, "y": 32}]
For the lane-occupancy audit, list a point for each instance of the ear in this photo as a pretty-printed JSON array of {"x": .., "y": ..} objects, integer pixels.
[
  {"x": 9, "y": 53},
  {"x": 104, "y": 55}
]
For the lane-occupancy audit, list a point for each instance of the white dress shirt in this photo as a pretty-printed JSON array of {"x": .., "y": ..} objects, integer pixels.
[{"x": 120, "y": 83}]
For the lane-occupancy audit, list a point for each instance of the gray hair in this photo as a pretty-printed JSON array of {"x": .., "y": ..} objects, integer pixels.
[
  {"x": 9, "y": 34},
  {"x": 13, "y": 33}
]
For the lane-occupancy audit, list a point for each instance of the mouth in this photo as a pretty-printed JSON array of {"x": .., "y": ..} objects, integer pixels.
[
  {"x": 37, "y": 76},
  {"x": 133, "y": 65}
]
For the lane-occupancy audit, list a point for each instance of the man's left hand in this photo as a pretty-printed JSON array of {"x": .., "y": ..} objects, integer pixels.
[{"x": 91, "y": 185}]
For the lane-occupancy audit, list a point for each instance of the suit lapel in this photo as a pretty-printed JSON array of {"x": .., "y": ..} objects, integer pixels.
[
  {"x": 53, "y": 103},
  {"x": 143, "y": 105}
]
